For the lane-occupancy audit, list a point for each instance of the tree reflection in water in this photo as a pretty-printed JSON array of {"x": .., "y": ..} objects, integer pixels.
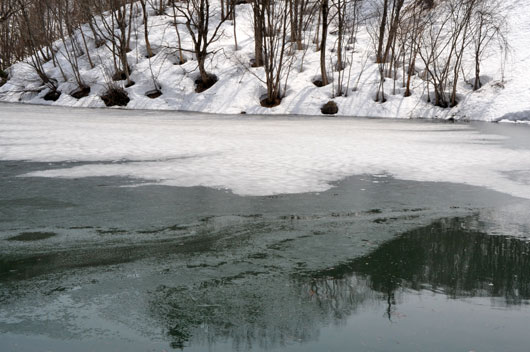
[
  {"x": 445, "y": 257},
  {"x": 268, "y": 310}
]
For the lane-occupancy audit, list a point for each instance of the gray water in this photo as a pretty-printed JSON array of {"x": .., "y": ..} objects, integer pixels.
[{"x": 374, "y": 264}]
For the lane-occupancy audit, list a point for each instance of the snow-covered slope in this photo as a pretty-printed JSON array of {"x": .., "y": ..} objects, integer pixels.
[
  {"x": 238, "y": 90},
  {"x": 512, "y": 100}
]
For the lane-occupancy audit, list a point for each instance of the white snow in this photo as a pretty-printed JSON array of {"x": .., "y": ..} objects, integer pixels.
[
  {"x": 257, "y": 156},
  {"x": 238, "y": 90}
]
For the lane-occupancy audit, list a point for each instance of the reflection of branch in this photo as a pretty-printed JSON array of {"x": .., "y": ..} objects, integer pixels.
[{"x": 389, "y": 300}]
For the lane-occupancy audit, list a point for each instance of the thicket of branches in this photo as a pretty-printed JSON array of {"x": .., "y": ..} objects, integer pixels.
[{"x": 430, "y": 39}]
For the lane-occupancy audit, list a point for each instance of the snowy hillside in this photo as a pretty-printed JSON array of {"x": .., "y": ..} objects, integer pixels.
[{"x": 504, "y": 96}]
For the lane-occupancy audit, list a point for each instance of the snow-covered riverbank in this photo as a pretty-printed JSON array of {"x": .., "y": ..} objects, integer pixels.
[{"x": 239, "y": 89}]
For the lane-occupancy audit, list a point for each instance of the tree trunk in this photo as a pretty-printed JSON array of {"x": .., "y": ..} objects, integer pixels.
[
  {"x": 382, "y": 29},
  {"x": 146, "y": 29},
  {"x": 323, "y": 71},
  {"x": 258, "y": 34}
]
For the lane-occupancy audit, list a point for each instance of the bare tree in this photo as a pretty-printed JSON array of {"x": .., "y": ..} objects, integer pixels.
[
  {"x": 299, "y": 11},
  {"x": 176, "y": 23},
  {"x": 324, "y": 18},
  {"x": 34, "y": 25},
  {"x": 116, "y": 30},
  {"x": 275, "y": 27},
  {"x": 446, "y": 36},
  {"x": 307, "y": 18},
  {"x": 64, "y": 14},
  {"x": 488, "y": 27},
  {"x": 198, "y": 16},
  {"x": 346, "y": 18},
  {"x": 145, "y": 14},
  {"x": 395, "y": 19},
  {"x": 353, "y": 20},
  {"x": 258, "y": 7},
  {"x": 382, "y": 28},
  {"x": 412, "y": 27},
  {"x": 439, "y": 36},
  {"x": 277, "y": 62},
  {"x": 7, "y": 9},
  {"x": 9, "y": 36}
]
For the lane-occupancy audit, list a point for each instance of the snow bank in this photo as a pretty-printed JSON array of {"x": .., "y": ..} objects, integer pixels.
[
  {"x": 257, "y": 156},
  {"x": 239, "y": 91}
]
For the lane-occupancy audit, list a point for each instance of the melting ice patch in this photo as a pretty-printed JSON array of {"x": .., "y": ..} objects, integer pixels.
[{"x": 259, "y": 156}]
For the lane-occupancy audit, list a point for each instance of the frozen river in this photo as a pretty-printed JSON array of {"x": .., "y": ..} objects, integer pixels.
[{"x": 146, "y": 231}]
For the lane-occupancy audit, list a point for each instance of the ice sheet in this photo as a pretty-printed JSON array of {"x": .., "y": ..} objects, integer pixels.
[{"x": 252, "y": 156}]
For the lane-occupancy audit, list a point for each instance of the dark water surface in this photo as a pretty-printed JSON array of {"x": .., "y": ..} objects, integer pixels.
[{"x": 374, "y": 264}]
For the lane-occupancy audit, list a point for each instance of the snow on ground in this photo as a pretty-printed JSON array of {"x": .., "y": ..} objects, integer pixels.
[
  {"x": 252, "y": 156},
  {"x": 239, "y": 91},
  {"x": 511, "y": 101}
]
